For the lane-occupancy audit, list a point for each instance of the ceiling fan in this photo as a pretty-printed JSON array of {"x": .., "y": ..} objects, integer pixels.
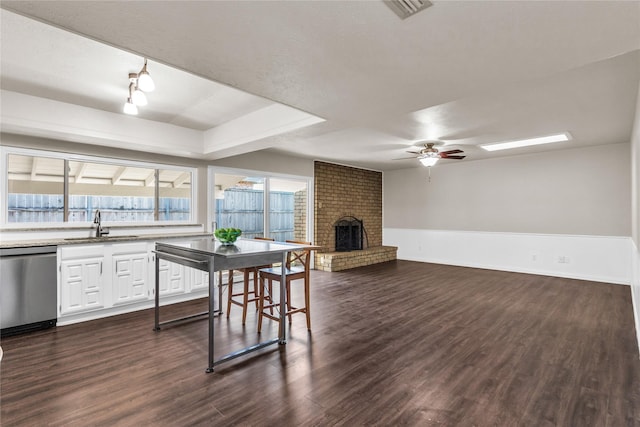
[{"x": 429, "y": 155}]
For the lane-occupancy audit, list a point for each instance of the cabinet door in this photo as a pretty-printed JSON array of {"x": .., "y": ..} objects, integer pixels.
[
  {"x": 130, "y": 282},
  {"x": 81, "y": 285},
  {"x": 172, "y": 278},
  {"x": 199, "y": 279}
]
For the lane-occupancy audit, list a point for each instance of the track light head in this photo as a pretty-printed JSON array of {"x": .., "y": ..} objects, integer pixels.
[
  {"x": 130, "y": 108},
  {"x": 145, "y": 82},
  {"x": 138, "y": 97}
]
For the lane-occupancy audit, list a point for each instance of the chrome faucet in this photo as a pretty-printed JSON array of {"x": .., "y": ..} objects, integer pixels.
[{"x": 97, "y": 219}]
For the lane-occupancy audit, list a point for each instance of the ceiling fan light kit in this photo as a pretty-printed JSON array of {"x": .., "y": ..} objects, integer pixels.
[
  {"x": 561, "y": 137},
  {"x": 429, "y": 155},
  {"x": 138, "y": 84},
  {"x": 428, "y": 161}
]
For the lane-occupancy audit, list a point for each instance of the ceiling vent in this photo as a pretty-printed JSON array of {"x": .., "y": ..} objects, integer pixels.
[{"x": 406, "y": 8}]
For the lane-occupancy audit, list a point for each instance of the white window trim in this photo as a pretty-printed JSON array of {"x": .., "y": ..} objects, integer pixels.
[
  {"x": 211, "y": 210},
  {"x": 4, "y": 188}
]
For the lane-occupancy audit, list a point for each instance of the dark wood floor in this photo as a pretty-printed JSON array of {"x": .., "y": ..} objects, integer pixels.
[{"x": 400, "y": 343}]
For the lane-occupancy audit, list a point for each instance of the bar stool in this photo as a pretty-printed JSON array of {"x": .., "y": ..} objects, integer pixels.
[
  {"x": 296, "y": 268},
  {"x": 246, "y": 294}
]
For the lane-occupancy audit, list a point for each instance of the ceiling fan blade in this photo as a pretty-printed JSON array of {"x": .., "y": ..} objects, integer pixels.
[
  {"x": 404, "y": 158},
  {"x": 454, "y": 157},
  {"x": 413, "y": 152},
  {"x": 456, "y": 151}
]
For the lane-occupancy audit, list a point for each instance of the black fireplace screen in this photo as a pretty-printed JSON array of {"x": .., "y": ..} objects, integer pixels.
[{"x": 348, "y": 235}]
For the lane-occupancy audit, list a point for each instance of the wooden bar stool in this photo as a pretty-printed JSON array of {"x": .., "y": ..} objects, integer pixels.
[
  {"x": 296, "y": 268},
  {"x": 247, "y": 295}
]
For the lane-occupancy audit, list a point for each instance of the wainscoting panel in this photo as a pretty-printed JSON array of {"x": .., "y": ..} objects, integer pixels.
[
  {"x": 635, "y": 287},
  {"x": 598, "y": 258}
]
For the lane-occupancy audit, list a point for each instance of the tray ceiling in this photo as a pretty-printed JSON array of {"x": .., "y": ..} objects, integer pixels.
[{"x": 465, "y": 73}]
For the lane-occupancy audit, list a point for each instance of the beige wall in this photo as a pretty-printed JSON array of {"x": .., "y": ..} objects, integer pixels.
[
  {"x": 268, "y": 162},
  {"x": 635, "y": 216},
  {"x": 579, "y": 191},
  {"x": 635, "y": 175},
  {"x": 93, "y": 150}
]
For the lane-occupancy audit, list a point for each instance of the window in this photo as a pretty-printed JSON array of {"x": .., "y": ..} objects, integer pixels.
[
  {"x": 287, "y": 209},
  {"x": 240, "y": 202},
  {"x": 122, "y": 193},
  {"x": 35, "y": 189},
  {"x": 126, "y": 192},
  {"x": 175, "y": 192}
]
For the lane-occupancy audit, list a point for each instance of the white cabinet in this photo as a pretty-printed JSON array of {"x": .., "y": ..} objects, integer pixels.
[
  {"x": 103, "y": 279},
  {"x": 81, "y": 280},
  {"x": 130, "y": 273},
  {"x": 172, "y": 278},
  {"x": 198, "y": 280}
]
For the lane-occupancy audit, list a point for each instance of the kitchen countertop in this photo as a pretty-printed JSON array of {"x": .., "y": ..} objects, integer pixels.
[{"x": 95, "y": 240}]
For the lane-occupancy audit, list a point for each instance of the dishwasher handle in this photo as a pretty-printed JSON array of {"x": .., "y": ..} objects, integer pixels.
[{"x": 29, "y": 250}]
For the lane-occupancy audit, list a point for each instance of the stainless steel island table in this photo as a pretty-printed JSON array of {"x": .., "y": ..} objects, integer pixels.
[{"x": 207, "y": 254}]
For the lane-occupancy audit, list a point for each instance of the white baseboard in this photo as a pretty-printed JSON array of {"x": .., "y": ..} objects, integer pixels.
[
  {"x": 595, "y": 258},
  {"x": 128, "y": 308}
]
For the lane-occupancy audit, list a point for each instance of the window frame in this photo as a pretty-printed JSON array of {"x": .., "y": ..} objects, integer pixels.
[
  {"x": 5, "y": 151},
  {"x": 267, "y": 176}
]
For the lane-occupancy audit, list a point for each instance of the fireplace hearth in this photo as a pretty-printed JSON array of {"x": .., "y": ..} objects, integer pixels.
[{"x": 349, "y": 232}]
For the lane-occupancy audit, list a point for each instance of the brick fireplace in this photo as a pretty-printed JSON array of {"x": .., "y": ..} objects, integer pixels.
[
  {"x": 344, "y": 195},
  {"x": 349, "y": 234}
]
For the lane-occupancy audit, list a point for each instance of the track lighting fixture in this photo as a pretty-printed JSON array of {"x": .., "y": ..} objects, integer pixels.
[
  {"x": 138, "y": 84},
  {"x": 129, "y": 106},
  {"x": 144, "y": 79},
  {"x": 137, "y": 96}
]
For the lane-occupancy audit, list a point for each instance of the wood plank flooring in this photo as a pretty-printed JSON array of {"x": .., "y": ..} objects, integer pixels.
[{"x": 399, "y": 343}]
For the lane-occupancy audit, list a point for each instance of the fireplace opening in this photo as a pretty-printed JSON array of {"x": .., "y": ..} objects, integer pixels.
[{"x": 348, "y": 234}]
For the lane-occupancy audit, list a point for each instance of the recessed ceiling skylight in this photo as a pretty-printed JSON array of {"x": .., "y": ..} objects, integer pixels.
[{"x": 566, "y": 136}]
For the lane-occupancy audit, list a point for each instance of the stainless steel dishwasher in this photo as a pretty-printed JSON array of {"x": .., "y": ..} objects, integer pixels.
[{"x": 28, "y": 289}]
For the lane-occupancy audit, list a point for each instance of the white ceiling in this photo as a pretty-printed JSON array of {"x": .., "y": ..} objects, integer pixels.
[{"x": 466, "y": 73}]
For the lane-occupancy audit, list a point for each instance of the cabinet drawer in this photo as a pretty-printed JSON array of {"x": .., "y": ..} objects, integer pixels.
[{"x": 79, "y": 252}]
